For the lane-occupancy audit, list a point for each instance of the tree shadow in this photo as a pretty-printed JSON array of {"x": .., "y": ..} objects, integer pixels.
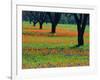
[{"x": 75, "y": 46}]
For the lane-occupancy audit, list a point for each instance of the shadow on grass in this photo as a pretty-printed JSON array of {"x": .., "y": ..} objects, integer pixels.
[{"x": 75, "y": 46}]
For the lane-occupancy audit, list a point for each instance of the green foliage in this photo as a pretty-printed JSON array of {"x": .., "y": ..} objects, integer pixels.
[{"x": 67, "y": 18}]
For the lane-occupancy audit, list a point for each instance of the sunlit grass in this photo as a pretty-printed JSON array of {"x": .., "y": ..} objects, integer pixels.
[
  {"x": 54, "y": 60},
  {"x": 47, "y": 26}
]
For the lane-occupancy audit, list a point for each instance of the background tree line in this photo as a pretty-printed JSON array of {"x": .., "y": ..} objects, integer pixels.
[{"x": 66, "y": 18}]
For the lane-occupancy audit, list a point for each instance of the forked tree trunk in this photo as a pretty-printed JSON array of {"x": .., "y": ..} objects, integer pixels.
[{"x": 81, "y": 24}]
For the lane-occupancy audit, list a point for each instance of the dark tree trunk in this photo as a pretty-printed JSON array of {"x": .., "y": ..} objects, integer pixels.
[
  {"x": 41, "y": 25},
  {"x": 81, "y": 24},
  {"x": 53, "y": 30},
  {"x": 80, "y": 38},
  {"x": 54, "y": 18}
]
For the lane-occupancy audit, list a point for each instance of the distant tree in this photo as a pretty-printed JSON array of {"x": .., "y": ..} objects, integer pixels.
[
  {"x": 81, "y": 21},
  {"x": 30, "y": 16},
  {"x": 54, "y": 18},
  {"x": 42, "y": 19},
  {"x": 24, "y": 16},
  {"x": 38, "y": 17}
]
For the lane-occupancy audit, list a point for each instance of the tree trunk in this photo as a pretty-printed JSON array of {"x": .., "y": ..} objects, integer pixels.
[
  {"x": 54, "y": 18},
  {"x": 40, "y": 25},
  {"x": 80, "y": 38},
  {"x": 81, "y": 24},
  {"x": 81, "y": 31},
  {"x": 53, "y": 30}
]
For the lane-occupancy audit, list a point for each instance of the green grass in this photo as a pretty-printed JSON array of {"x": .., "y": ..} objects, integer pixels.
[
  {"x": 71, "y": 27},
  {"x": 54, "y": 60},
  {"x": 51, "y": 50}
]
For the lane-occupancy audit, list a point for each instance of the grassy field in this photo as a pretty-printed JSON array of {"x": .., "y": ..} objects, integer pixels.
[{"x": 42, "y": 49}]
